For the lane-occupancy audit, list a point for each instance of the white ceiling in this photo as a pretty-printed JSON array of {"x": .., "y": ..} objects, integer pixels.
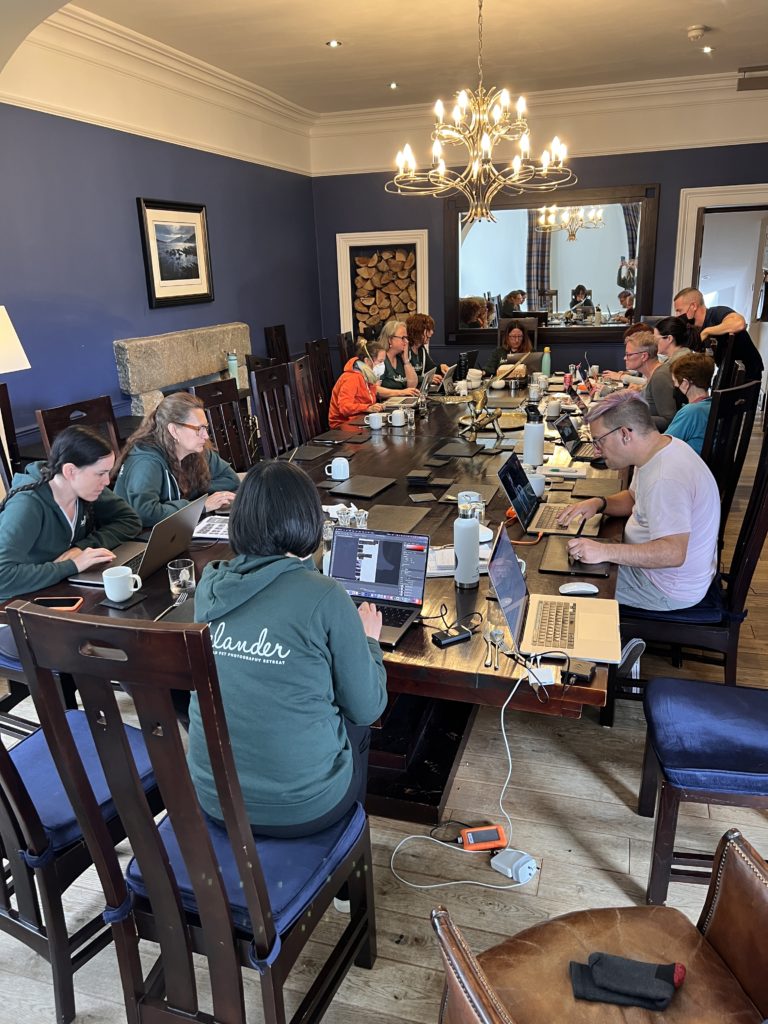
[{"x": 429, "y": 46}]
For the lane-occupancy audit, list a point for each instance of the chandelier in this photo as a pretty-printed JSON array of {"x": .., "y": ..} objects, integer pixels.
[
  {"x": 479, "y": 122},
  {"x": 570, "y": 219}
]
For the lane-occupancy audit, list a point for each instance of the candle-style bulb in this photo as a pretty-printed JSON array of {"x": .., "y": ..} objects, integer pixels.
[
  {"x": 521, "y": 107},
  {"x": 496, "y": 113},
  {"x": 437, "y": 150},
  {"x": 456, "y": 114},
  {"x": 485, "y": 144},
  {"x": 441, "y": 168},
  {"x": 525, "y": 145},
  {"x": 462, "y": 99},
  {"x": 400, "y": 161},
  {"x": 504, "y": 98},
  {"x": 439, "y": 111},
  {"x": 517, "y": 163},
  {"x": 545, "y": 160}
]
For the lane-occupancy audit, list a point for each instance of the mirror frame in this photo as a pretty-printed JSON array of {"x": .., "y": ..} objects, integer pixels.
[{"x": 647, "y": 195}]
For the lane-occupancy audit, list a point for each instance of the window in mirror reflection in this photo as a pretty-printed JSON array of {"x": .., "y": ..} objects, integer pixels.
[{"x": 493, "y": 260}]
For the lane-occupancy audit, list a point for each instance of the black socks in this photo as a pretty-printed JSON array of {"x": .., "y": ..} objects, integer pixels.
[{"x": 614, "y": 979}]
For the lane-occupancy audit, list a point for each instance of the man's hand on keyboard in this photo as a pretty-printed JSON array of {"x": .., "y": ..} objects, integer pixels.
[
  {"x": 581, "y": 510},
  {"x": 371, "y": 619},
  {"x": 86, "y": 559}
]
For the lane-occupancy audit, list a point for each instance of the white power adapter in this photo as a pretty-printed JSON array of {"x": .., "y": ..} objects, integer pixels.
[{"x": 515, "y": 864}]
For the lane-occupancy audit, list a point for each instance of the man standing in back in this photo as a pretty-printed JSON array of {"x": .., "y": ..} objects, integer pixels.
[{"x": 717, "y": 321}]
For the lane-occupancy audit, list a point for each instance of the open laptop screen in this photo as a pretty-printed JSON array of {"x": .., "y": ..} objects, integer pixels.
[
  {"x": 507, "y": 578},
  {"x": 567, "y": 431},
  {"x": 378, "y": 566},
  {"x": 518, "y": 489}
]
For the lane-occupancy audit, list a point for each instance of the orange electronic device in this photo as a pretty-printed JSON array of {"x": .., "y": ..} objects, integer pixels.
[{"x": 484, "y": 837}]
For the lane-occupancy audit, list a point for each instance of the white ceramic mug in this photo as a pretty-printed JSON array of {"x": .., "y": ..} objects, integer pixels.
[
  {"x": 397, "y": 418},
  {"x": 538, "y": 482},
  {"x": 119, "y": 582},
  {"x": 338, "y": 469},
  {"x": 374, "y": 420},
  {"x": 553, "y": 409}
]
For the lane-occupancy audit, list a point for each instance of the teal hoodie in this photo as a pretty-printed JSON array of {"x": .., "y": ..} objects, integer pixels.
[
  {"x": 34, "y": 532},
  {"x": 145, "y": 481},
  {"x": 292, "y": 659}
]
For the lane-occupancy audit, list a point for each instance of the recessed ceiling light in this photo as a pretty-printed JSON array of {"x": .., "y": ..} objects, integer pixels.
[
  {"x": 707, "y": 49},
  {"x": 393, "y": 85},
  {"x": 333, "y": 43}
]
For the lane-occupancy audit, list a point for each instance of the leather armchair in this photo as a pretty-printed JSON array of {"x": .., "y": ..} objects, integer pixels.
[{"x": 525, "y": 979}]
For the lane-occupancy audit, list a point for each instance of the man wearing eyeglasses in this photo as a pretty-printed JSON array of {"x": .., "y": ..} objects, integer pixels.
[
  {"x": 669, "y": 554},
  {"x": 716, "y": 321}
]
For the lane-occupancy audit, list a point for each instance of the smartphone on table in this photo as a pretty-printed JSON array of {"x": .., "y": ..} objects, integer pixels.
[{"x": 59, "y": 604}]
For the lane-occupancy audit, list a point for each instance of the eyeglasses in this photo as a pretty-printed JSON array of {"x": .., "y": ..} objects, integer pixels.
[
  {"x": 201, "y": 431},
  {"x": 399, "y": 337},
  {"x": 598, "y": 441},
  {"x": 629, "y": 355}
]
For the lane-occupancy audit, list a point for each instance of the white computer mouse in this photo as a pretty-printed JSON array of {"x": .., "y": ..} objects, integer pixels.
[{"x": 578, "y": 589}]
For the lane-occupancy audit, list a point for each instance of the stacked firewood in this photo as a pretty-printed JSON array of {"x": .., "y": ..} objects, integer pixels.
[{"x": 384, "y": 287}]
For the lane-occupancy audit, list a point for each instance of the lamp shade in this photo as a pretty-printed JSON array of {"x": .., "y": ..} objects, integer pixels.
[{"x": 12, "y": 355}]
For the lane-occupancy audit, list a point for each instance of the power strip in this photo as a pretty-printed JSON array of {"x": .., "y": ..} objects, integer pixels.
[{"x": 515, "y": 864}]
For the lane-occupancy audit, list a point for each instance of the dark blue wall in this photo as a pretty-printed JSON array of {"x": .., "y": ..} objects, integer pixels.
[
  {"x": 359, "y": 203},
  {"x": 71, "y": 268}
]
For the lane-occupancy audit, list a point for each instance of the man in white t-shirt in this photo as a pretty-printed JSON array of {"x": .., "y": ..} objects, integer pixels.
[{"x": 669, "y": 555}]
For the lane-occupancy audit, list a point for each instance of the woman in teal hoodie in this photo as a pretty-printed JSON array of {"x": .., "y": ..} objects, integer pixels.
[
  {"x": 60, "y": 518},
  {"x": 169, "y": 462},
  {"x": 299, "y": 666}
]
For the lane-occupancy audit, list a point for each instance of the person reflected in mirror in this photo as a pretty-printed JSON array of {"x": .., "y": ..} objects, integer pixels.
[
  {"x": 692, "y": 376},
  {"x": 580, "y": 300},
  {"x": 627, "y": 303},
  {"x": 627, "y": 274},
  {"x": 399, "y": 377},
  {"x": 421, "y": 327},
  {"x": 716, "y": 321},
  {"x": 354, "y": 393},
  {"x": 169, "y": 461},
  {"x": 513, "y": 302},
  {"x": 473, "y": 313},
  {"x": 515, "y": 347}
]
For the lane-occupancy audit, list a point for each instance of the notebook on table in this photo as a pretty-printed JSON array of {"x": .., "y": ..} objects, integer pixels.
[
  {"x": 354, "y": 435},
  {"x": 169, "y": 539},
  {"x": 538, "y": 516},
  {"x": 387, "y": 569},
  {"x": 581, "y": 451},
  {"x": 557, "y": 560},
  {"x": 363, "y": 486},
  {"x": 586, "y": 628}
]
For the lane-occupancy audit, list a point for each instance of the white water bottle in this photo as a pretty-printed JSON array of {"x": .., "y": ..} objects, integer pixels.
[
  {"x": 533, "y": 444},
  {"x": 466, "y": 549}
]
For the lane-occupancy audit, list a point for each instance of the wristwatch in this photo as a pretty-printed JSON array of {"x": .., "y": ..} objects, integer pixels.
[{"x": 604, "y": 501}]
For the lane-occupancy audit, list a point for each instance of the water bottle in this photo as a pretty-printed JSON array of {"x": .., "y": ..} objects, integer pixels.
[
  {"x": 462, "y": 365},
  {"x": 232, "y": 364},
  {"x": 466, "y": 549},
  {"x": 546, "y": 363},
  {"x": 533, "y": 436},
  {"x": 598, "y": 316}
]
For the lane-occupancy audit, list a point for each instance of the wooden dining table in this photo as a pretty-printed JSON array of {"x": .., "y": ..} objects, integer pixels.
[{"x": 434, "y": 693}]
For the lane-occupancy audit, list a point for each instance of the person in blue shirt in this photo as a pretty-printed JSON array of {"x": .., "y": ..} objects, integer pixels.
[
  {"x": 715, "y": 321},
  {"x": 692, "y": 376}
]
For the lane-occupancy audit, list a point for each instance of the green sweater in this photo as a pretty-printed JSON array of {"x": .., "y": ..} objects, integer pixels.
[
  {"x": 145, "y": 481},
  {"x": 292, "y": 659},
  {"x": 34, "y": 532}
]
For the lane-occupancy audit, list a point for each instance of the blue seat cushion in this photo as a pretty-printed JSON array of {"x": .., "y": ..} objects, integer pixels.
[
  {"x": 709, "y": 737},
  {"x": 12, "y": 664},
  {"x": 709, "y": 611},
  {"x": 294, "y": 869},
  {"x": 35, "y": 765}
]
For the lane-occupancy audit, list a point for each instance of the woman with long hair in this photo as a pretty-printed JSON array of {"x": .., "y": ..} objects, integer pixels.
[
  {"x": 515, "y": 347},
  {"x": 300, "y": 667},
  {"x": 169, "y": 461},
  {"x": 420, "y": 328},
  {"x": 354, "y": 393},
  {"x": 60, "y": 518}
]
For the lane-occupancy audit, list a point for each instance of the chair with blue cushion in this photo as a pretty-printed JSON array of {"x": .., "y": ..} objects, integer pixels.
[
  {"x": 44, "y": 851},
  {"x": 706, "y": 744},
  {"x": 194, "y": 886}
]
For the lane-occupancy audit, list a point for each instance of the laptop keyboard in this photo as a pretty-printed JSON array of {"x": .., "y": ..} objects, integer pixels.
[
  {"x": 547, "y": 518},
  {"x": 392, "y": 615},
  {"x": 134, "y": 563},
  {"x": 555, "y": 625},
  {"x": 588, "y": 450}
]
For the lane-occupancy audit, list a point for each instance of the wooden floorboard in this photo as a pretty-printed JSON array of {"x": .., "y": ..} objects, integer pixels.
[{"x": 571, "y": 800}]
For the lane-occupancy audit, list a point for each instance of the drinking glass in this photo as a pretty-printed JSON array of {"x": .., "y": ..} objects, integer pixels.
[{"x": 181, "y": 576}]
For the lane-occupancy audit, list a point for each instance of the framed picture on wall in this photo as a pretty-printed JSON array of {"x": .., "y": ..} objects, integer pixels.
[{"x": 177, "y": 260}]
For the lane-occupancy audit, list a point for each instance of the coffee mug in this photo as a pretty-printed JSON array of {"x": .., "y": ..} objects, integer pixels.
[
  {"x": 553, "y": 409},
  {"x": 374, "y": 420},
  {"x": 119, "y": 582},
  {"x": 338, "y": 469},
  {"x": 538, "y": 482},
  {"x": 397, "y": 417}
]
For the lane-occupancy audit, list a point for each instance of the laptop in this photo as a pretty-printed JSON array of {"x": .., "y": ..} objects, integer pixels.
[
  {"x": 586, "y": 628},
  {"x": 169, "y": 538},
  {"x": 536, "y": 516},
  {"x": 410, "y": 401},
  {"x": 581, "y": 451},
  {"x": 574, "y": 394},
  {"x": 386, "y": 568}
]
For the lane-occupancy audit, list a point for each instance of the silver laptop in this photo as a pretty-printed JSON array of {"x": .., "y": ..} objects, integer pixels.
[
  {"x": 540, "y": 516},
  {"x": 388, "y": 569},
  {"x": 169, "y": 538},
  {"x": 409, "y": 401},
  {"x": 586, "y": 628}
]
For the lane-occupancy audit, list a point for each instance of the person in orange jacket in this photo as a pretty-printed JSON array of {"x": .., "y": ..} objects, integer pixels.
[{"x": 354, "y": 393}]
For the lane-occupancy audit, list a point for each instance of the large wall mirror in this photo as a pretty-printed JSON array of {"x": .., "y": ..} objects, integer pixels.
[{"x": 495, "y": 258}]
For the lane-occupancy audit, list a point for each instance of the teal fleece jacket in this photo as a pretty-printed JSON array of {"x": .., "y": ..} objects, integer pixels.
[
  {"x": 292, "y": 659},
  {"x": 145, "y": 481},
  {"x": 34, "y": 532}
]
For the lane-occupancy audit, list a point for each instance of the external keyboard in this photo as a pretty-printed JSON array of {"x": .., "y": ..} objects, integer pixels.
[{"x": 555, "y": 625}]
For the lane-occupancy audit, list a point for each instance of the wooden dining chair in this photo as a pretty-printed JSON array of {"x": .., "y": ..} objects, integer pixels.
[
  {"x": 195, "y": 888},
  {"x": 91, "y": 412},
  {"x": 322, "y": 376},
  {"x": 222, "y": 407},
  {"x": 346, "y": 346},
  {"x": 275, "y": 411},
  {"x": 305, "y": 399},
  {"x": 277, "y": 343},
  {"x": 43, "y": 849},
  {"x": 253, "y": 362}
]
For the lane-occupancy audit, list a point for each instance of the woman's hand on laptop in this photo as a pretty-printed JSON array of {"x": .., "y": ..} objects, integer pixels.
[
  {"x": 582, "y": 510},
  {"x": 370, "y": 617},
  {"x": 219, "y": 499},
  {"x": 413, "y": 392},
  {"x": 86, "y": 559}
]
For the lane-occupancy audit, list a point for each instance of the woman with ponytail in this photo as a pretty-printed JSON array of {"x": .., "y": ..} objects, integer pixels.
[
  {"x": 354, "y": 393},
  {"x": 169, "y": 461},
  {"x": 60, "y": 517}
]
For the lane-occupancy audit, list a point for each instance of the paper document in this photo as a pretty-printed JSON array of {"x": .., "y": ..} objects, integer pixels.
[
  {"x": 212, "y": 528},
  {"x": 442, "y": 561}
]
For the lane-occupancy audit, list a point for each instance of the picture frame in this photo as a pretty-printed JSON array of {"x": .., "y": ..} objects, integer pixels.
[{"x": 177, "y": 259}]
